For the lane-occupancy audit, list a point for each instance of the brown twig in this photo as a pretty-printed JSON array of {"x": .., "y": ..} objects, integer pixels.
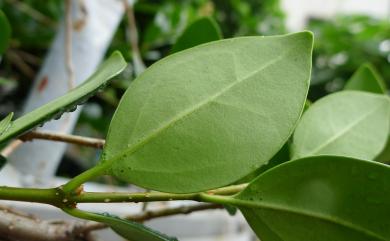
[
  {"x": 15, "y": 225},
  {"x": 33, "y": 13},
  {"x": 11, "y": 148},
  {"x": 68, "y": 43},
  {"x": 19, "y": 62},
  {"x": 52, "y": 136},
  {"x": 132, "y": 35}
]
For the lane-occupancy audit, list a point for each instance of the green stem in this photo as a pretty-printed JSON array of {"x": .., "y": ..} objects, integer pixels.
[
  {"x": 96, "y": 197},
  {"x": 89, "y": 174},
  {"x": 99, "y": 197},
  {"x": 48, "y": 196}
]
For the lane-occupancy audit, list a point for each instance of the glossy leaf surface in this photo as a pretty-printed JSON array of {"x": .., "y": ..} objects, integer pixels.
[
  {"x": 366, "y": 78},
  {"x": 347, "y": 123},
  {"x": 209, "y": 115},
  {"x": 5, "y": 32},
  {"x": 320, "y": 199},
  {"x": 131, "y": 230},
  {"x": 68, "y": 102},
  {"x": 201, "y": 31}
]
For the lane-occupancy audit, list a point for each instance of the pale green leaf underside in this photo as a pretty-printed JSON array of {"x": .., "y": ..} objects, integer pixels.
[
  {"x": 111, "y": 67},
  {"x": 131, "y": 230},
  {"x": 347, "y": 123},
  {"x": 5, "y": 123},
  {"x": 320, "y": 199},
  {"x": 366, "y": 78},
  {"x": 209, "y": 115}
]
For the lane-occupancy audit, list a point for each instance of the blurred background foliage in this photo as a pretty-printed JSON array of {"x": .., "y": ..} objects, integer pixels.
[{"x": 342, "y": 44}]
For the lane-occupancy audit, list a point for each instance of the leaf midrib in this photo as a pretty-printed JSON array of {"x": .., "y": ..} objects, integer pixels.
[
  {"x": 339, "y": 134},
  {"x": 194, "y": 108}
]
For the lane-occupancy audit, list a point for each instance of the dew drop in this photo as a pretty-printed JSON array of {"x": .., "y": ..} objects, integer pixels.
[{"x": 73, "y": 108}]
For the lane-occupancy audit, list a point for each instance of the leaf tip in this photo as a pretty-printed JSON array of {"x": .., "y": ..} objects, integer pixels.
[{"x": 118, "y": 55}]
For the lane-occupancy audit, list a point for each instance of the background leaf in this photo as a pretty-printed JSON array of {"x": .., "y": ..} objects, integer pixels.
[
  {"x": 201, "y": 31},
  {"x": 366, "y": 78},
  {"x": 133, "y": 231},
  {"x": 5, "y": 32},
  {"x": 320, "y": 198},
  {"x": 347, "y": 123},
  {"x": 3, "y": 161},
  {"x": 54, "y": 109}
]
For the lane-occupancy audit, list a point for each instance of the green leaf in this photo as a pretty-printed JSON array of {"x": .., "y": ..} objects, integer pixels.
[
  {"x": 68, "y": 102},
  {"x": 384, "y": 156},
  {"x": 200, "y": 31},
  {"x": 347, "y": 123},
  {"x": 5, "y": 32},
  {"x": 282, "y": 156},
  {"x": 132, "y": 230},
  {"x": 366, "y": 78},
  {"x": 207, "y": 116},
  {"x": 5, "y": 123},
  {"x": 320, "y": 199}
]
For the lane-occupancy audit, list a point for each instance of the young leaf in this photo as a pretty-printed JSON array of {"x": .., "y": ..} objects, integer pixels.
[
  {"x": 209, "y": 115},
  {"x": 5, "y": 123},
  {"x": 347, "y": 123},
  {"x": 320, "y": 198},
  {"x": 366, "y": 78},
  {"x": 132, "y": 230},
  {"x": 201, "y": 31},
  {"x": 111, "y": 67},
  {"x": 5, "y": 32}
]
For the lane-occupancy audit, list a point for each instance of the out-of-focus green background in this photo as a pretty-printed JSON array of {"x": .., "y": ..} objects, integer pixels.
[{"x": 342, "y": 44}]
